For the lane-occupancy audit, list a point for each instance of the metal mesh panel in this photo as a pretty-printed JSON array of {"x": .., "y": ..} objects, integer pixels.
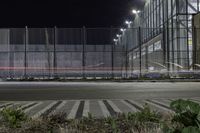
[{"x": 92, "y": 53}]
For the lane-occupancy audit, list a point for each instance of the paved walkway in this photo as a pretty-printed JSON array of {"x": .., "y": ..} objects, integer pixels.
[{"x": 80, "y": 108}]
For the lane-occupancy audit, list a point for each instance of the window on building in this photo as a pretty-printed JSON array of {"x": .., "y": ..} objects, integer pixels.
[
  {"x": 150, "y": 49},
  {"x": 157, "y": 46},
  {"x": 143, "y": 51}
]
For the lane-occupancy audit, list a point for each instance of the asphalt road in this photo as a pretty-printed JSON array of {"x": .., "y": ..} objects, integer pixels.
[{"x": 29, "y": 91}]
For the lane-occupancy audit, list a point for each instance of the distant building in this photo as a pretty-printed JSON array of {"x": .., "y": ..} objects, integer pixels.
[{"x": 163, "y": 34}]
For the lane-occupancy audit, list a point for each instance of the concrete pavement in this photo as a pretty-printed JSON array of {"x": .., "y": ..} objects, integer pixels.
[
  {"x": 29, "y": 91},
  {"x": 80, "y": 108}
]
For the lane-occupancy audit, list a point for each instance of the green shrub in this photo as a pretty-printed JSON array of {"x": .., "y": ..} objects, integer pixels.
[
  {"x": 34, "y": 126},
  {"x": 55, "y": 121},
  {"x": 191, "y": 130},
  {"x": 186, "y": 118},
  {"x": 147, "y": 115},
  {"x": 112, "y": 124},
  {"x": 12, "y": 117},
  {"x": 187, "y": 113}
]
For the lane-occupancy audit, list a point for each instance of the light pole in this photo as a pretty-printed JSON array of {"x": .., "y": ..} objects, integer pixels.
[
  {"x": 136, "y": 13},
  {"x": 115, "y": 40},
  {"x": 123, "y": 31},
  {"x": 119, "y": 37}
]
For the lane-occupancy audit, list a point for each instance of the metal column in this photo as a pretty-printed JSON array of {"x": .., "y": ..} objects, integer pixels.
[
  {"x": 140, "y": 49},
  {"x": 25, "y": 52},
  {"x": 54, "y": 52},
  {"x": 83, "y": 52}
]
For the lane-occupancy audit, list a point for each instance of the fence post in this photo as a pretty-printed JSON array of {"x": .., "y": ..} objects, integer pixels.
[
  {"x": 47, "y": 47},
  {"x": 188, "y": 51},
  {"x": 54, "y": 52},
  {"x": 140, "y": 49},
  {"x": 10, "y": 65},
  {"x": 83, "y": 52},
  {"x": 126, "y": 50},
  {"x": 194, "y": 47},
  {"x": 25, "y": 52},
  {"x": 112, "y": 52}
]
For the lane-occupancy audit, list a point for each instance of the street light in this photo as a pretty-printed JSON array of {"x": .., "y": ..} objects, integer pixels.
[
  {"x": 135, "y": 11},
  {"x": 119, "y": 38},
  {"x": 115, "y": 40},
  {"x": 128, "y": 23},
  {"x": 122, "y": 30},
  {"x": 118, "y": 35}
]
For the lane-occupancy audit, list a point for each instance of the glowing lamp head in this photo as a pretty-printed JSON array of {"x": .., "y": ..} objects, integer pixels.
[
  {"x": 115, "y": 40},
  {"x": 128, "y": 22},
  {"x": 135, "y": 11},
  {"x": 118, "y": 35},
  {"x": 122, "y": 30}
]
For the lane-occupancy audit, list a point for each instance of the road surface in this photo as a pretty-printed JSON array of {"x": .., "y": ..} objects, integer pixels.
[{"x": 29, "y": 91}]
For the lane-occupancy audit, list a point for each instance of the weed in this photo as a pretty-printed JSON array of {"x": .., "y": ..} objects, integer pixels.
[{"x": 12, "y": 117}]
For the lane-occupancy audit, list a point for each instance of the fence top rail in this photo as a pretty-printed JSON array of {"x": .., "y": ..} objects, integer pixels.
[{"x": 94, "y": 28}]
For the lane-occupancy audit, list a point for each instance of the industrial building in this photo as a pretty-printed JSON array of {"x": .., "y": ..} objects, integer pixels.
[{"x": 164, "y": 37}]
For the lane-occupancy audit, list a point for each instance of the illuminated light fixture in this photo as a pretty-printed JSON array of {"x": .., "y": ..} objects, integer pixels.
[
  {"x": 128, "y": 22},
  {"x": 118, "y": 35},
  {"x": 135, "y": 11},
  {"x": 115, "y": 40},
  {"x": 122, "y": 30}
]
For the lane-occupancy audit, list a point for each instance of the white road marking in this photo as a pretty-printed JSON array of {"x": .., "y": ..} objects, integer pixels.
[
  {"x": 86, "y": 109},
  {"x": 136, "y": 103},
  {"x": 87, "y": 106},
  {"x": 44, "y": 110},
  {"x": 158, "y": 106},
  {"x": 61, "y": 105},
  {"x": 29, "y": 109},
  {"x": 26, "y": 105},
  {"x": 130, "y": 106},
  {"x": 6, "y": 105},
  {"x": 74, "y": 110},
  {"x": 196, "y": 98},
  {"x": 161, "y": 103},
  {"x": 104, "y": 110},
  {"x": 58, "y": 108},
  {"x": 115, "y": 108}
]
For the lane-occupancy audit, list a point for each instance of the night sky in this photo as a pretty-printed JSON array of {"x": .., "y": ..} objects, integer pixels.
[{"x": 66, "y": 13}]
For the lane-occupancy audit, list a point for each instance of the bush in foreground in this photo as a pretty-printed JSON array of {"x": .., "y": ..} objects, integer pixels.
[
  {"x": 12, "y": 118},
  {"x": 143, "y": 121},
  {"x": 186, "y": 118}
]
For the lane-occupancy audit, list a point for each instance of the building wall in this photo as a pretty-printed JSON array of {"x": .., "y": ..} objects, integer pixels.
[{"x": 171, "y": 21}]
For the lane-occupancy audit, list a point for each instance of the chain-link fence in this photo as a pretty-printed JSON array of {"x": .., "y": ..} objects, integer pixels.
[
  {"x": 98, "y": 52},
  {"x": 60, "y": 52}
]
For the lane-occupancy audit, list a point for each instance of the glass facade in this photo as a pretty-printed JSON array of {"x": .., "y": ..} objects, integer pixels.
[{"x": 163, "y": 36}]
